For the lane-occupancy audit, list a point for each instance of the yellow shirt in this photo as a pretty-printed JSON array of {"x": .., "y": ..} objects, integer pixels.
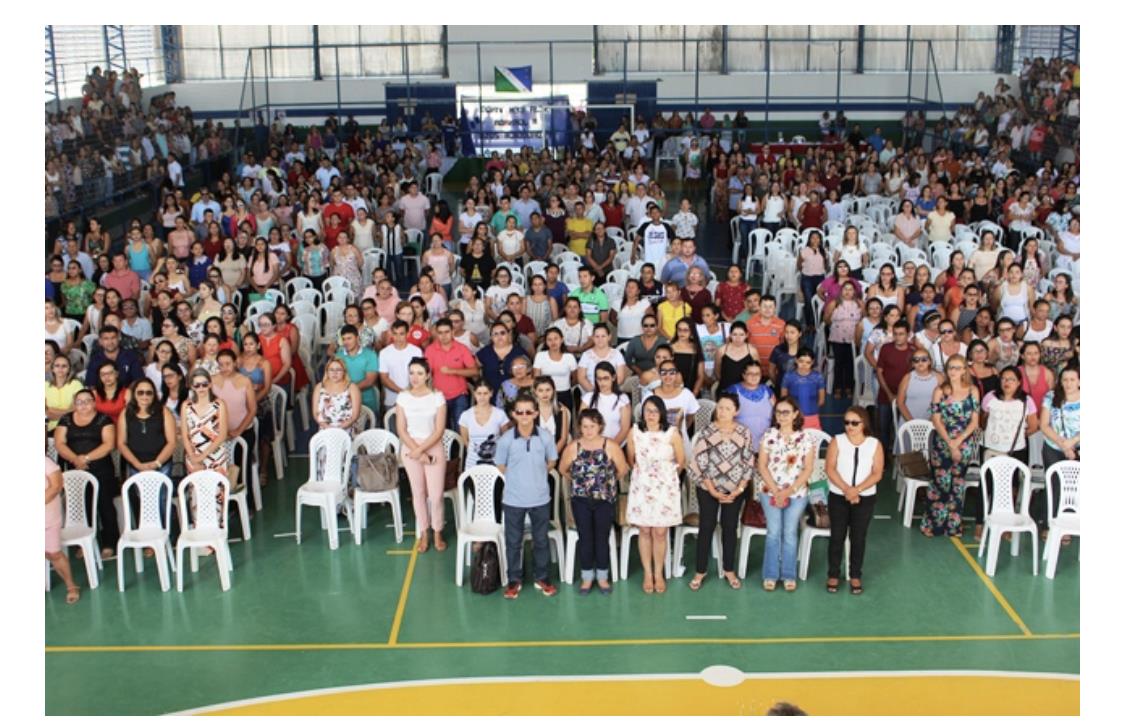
[
  {"x": 670, "y": 314},
  {"x": 579, "y": 230},
  {"x": 61, "y": 398}
]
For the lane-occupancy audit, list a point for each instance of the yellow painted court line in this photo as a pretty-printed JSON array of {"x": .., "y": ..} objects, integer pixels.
[
  {"x": 558, "y": 643},
  {"x": 400, "y": 552},
  {"x": 991, "y": 586},
  {"x": 400, "y": 611}
]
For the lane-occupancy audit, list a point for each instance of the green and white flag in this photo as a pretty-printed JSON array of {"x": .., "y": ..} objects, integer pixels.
[{"x": 513, "y": 80}]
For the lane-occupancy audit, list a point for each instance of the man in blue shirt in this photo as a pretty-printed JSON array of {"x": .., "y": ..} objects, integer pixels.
[
  {"x": 524, "y": 454},
  {"x": 876, "y": 141},
  {"x": 556, "y": 288},
  {"x": 130, "y": 365},
  {"x": 676, "y": 269},
  {"x": 524, "y": 206},
  {"x": 205, "y": 202}
]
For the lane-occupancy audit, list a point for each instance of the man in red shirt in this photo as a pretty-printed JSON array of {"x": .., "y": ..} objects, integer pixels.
[
  {"x": 452, "y": 365},
  {"x": 765, "y": 328},
  {"x": 122, "y": 279},
  {"x": 893, "y": 364},
  {"x": 340, "y": 207}
]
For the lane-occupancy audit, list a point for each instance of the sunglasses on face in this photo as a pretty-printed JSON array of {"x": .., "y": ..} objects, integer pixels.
[
  {"x": 852, "y": 422},
  {"x": 524, "y": 413},
  {"x": 201, "y": 384},
  {"x": 947, "y": 331},
  {"x": 146, "y": 393}
]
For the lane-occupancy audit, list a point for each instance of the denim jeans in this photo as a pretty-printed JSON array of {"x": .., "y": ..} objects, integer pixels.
[
  {"x": 594, "y": 520},
  {"x": 454, "y": 408},
  {"x": 782, "y": 532},
  {"x": 809, "y": 283},
  {"x": 513, "y": 540}
]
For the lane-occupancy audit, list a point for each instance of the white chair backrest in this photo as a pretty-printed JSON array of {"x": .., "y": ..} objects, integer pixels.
[
  {"x": 535, "y": 267},
  {"x": 278, "y": 398},
  {"x": 1002, "y": 499},
  {"x": 366, "y": 418},
  {"x": 704, "y": 414},
  {"x": 303, "y": 307},
  {"x": 1068, "y": 473},
  {"x": 451, "y": 441},
  {"x": 914, "y": 435},
  {"x": 297, "y": 284},
  {"x": 336, "y": 446},
  {"x": 149, "y": 485},
  {"x": 239, "y": 454},
  {"x": 277, "y": 296},
  {"x": 259, "y": 308},
  {"x": 75, "y": 483},
  {"x": 209, "y": 488},
  {"x": 618, "y": 277},
  {"x": 309, "y": 294},
  {"x": 375, "y": 441},
  {"x": 337, "y": 281},
  {"x": 484, "y": 478}
]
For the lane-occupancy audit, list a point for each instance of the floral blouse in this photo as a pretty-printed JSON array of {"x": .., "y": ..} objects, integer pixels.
[
  {"x": 725, "y": 459},
  {"x": 787, "y": 458}
]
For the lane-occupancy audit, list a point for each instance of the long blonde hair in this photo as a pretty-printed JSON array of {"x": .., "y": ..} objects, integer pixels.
[{"x": 966, "y": 380}]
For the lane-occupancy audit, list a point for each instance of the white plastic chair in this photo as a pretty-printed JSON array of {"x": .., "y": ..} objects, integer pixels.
[
  {"x": 451, "y": 441},
  {"x": 1067, "y": 521},
  {"x": 79, "y": 526},
  {"x": 278, "y": 400},
  {"x": 555, "y": 537},
  {"x": 627, "y": 535},
  {"x": 414, "y": 239},
  {"x": 239, "y": 453},
  {"x": 326, "y": 487},
  {"x": 304, "y": 308},
  {"x": 208, "y": 527},
  {"x": 308, "y": 294},
  {"x": 148, "y": 532},
  {"x": 375, "y": 441},
  {"x": 913, "y": 435},
  {"x": 1002, "y": 516},
  {"x": 259, "y": 308},
  {"x": 295, "y": 285},
  {"x": 480, "y": 523},
  {"x": 433, "y": 184}
]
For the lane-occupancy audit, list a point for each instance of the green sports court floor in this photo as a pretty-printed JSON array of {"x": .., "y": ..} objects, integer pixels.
[{"x": 388, "y": 631}]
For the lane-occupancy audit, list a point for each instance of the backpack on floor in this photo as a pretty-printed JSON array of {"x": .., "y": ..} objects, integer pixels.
[{"x": 484, "y": 577}]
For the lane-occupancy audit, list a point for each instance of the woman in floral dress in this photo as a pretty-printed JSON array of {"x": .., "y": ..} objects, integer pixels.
[
  {"x": 656, "y": 456},
  {"x": 955, "y": 413}
]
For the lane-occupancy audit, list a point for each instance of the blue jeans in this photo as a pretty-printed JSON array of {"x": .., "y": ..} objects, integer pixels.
[
  {"x": 809, "y": 284},
  {"x": 745, "y": 227},
  {"x": 782, "y": 532},
  {"x": 454, "y": 407},
  {"x": 513, "y": 540}
]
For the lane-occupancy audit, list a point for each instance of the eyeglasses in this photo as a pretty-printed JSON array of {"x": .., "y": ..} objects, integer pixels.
[
  {"x": 524, "y": 413},
  {"x": 201, "y": 384},
  {"x": 146, "y": 393},
  {"x": 784, "y": 412},
  {"x": 852, "y": 422},
  {"x": 669, "y": 372},
  {"x": 920, "y": 359},
  {"x": 947, "y": 331}
]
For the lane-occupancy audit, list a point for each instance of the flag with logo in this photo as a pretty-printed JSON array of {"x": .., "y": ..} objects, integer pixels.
[{"x": 513, "y": 80}]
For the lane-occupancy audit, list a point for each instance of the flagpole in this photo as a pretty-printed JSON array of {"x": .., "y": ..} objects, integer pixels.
[{"x": 480, "y": 105}]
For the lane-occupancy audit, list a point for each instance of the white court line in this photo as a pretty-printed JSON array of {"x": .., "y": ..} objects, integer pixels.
[
  {"x": 884, "y": 516},
  {"x": 705, "y": 617},
  {"x": 294, "y": 534}
]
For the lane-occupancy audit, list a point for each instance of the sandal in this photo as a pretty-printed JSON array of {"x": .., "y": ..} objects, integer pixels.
[
  {"x": 73, "y": 594},
  {"x": 857, "y": 586},
  {"x": 790, "y": 585},
  {"x": 733, "y": 581},
  {"x": 769, "y": 585},
  {"x": 423, "y": 545},
  {"x": 833, "y": 584},
  {"x": 696, "y": 582}
]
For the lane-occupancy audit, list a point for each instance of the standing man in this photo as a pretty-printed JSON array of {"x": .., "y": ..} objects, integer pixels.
[
  {"x": 653, "y": 237},
  {"x": 394, "y": 362},
  {"x": 765, "y": 329},
  {"x": 525, "y": 206},
  {"x": 452, "y": 364},
  {"x": 637, "y": 206},
  {"x": 676, "y": 269},
  {"x": 130, "y": 366},
  {"x": 524, "y": 454},
  {"x": 538, "y": 238},
  {"x": 891, "y": 367},
  {"x": 413, "y": 207}
]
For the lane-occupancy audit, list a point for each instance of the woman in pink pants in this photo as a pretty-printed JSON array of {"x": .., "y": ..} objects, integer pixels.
[{"x": 420, "y": 416}]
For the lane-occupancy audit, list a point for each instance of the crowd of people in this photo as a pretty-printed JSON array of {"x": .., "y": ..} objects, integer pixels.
[{"x": 562, "y": 316}]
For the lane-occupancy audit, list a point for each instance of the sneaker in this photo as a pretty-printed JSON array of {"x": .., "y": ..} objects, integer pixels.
[
  {"x": 545, "y": 587},
  {"x": 513, "y": 590}
]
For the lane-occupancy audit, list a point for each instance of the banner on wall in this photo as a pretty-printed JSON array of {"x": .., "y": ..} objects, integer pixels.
[{"x": 513, "y": 80}]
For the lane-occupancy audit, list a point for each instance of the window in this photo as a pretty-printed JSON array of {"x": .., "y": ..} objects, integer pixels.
[
  {"x": 78, "y": 48},
  {"x": 659, "y": 48}
]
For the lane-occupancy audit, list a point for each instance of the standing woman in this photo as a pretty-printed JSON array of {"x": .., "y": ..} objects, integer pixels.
[
  {"x": 722, "y": 469},
  {"x": 441, "y": 261},
  {"x": 785, "y": 465},
  {"x": 688, "y": 355},
  {"x": 264, "y": 269},
  {"x": 916, "y": 389},
  {"x": 540, "y": 306},
  {"x": 284, "y": 325},
  {"x": 842, "y": 316},
  {"x": 983, "y": 374},
  {"x": 656, "y": 457},
  {"x": 54, "y": 521},
  {"x": 553, "y": 418},
  {"x": 1059, "y": 418},
  {"x": 955, "y": 412},
  {"x": 854, "y": 465},
  {"x": 599, "y": 353},
  {"x": 886, "y": 289},
  {"x": 733, "y": 356},
  {"x": 906, "y": 226},
  {"x": 481, "y": 426},
  {"x": 254, "y": 366},
  {"x": 812, "y": 266},
  {"x": 420, "y": 419},
  {"x": 1037, "y": 379},
  {"x": 755, "y": 403},
  {"x": 613, "y": 406},
  {"x": 84, "y": 440},
  {"x": 1014, "y": 298},
  {"x": 783, "y": 359},
  {"x": 947, "y": 346},
  {"x": 473, "y": 308},
  {"x": 556, "y": 361},
  {"x": 1008, "y": 418},
  {"x": 593, "y": 463},
  {"x": 60, "y": 390}
]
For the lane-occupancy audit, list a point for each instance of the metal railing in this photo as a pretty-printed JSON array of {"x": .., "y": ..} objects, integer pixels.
[{"x": 72, "y": 75}]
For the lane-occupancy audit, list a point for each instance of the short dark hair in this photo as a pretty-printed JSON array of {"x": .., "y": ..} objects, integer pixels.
[
  {"x": 108, "y": 329},
  {"x": 348, "y": 329}
]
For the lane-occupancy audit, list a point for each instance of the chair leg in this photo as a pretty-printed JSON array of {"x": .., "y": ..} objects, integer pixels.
[
  {"x": 48, "y": 571},
  {"x": 612, "y": 556},
  {"x": 298, "y": 515},
  {"x": 396, "y": 515},
  {"x": 626, "y": 541},
  {"x": 194, "y": 557},
  {"x": 1034, "y": 552},
  {"x": 120, "y": 568},
  {"x": 221, "y": 559},
  {"x": 571, "y": 555},
  {"x": 1051, "y": 550},
  {"x": 503, "y": 562},
  {"x": 333, "y": 538},
  {"x": 993, "y": 553},
  {"x": 678, "y": 568},
  {"x": 983, "y": 540},
  {"x": 161, "y": 569},
  {"x": 360, "y": 523},
  {"x": 244, "y": 515},
  {"x": 459, "y": 562},
  {"x": 804, "y": 553},
  {"x": 668, "y": 567},
  {"x": 179, "y": 568},
  {"x": 908, "y": 492},
  {"x": 88, "y": 549},
  {"x": 278, "y": 459},
  {"x": 256, "y": 483}
]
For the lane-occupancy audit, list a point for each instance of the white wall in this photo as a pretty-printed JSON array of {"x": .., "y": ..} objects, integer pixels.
[{"x": 573, "y": 62}]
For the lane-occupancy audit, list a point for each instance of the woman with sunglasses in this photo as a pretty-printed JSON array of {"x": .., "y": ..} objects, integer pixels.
[
  {"x": 84, "y": 440},
  {"x": 146, "y": 436},
  {"x": 916, "y": 390},
  {"x": 947, "y": 345},
  {"x": 955, "y": 412},
  {"x": 854, "y": 465},
  {"x": 679, "y": 402},
  {"x": 785, "y": 465},
  {"x": 203, "y": 426},
  {"x": 656, "y": 457},
  {"x": 420, "y": 419}
]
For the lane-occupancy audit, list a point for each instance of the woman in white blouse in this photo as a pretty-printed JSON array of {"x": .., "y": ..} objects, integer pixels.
[
  {"x": 420, "y": 419},
  {"x": 599, "y": 353},
  {"x": 630, "y": 315},
  {"x": 558, "y": 363}
]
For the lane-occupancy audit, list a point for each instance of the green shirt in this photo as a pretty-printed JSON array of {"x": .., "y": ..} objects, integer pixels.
[
  {"x": 76, "y": 298},
  {"x": 500, "y": 220},
  {"x": 593, "y": 303},
  {"x": 363, "y": 362}
]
